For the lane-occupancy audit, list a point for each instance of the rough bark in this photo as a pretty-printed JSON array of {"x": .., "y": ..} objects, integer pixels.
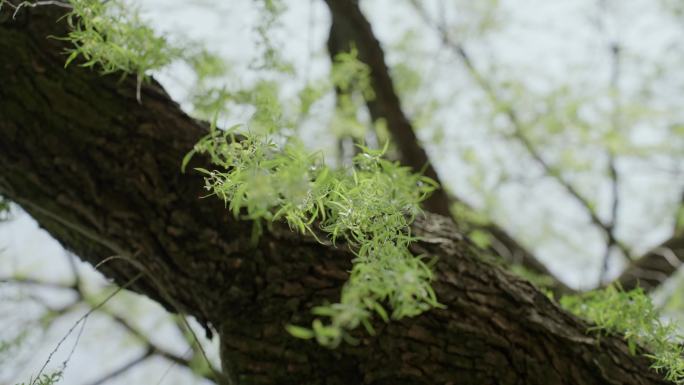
[
  {"x": 101, "y": 173},
  {"x": 350, "y": 28}
]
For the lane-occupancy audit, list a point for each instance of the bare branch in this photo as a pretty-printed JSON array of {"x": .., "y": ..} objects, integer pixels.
[
  {"x": 657, "y": 265},
  {"x": 82, "y": 320},
  {"x": 614, "y": 83},
  {"x": 34, "y": 282},
  {"x": 28, "y": 4},
  {"x": 124, "y": 368},
  {"x": 119, "y": 320},
  {"x": 518, "y": 127}
]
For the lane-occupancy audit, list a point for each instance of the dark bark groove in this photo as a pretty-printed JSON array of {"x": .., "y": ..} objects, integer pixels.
[{"x": 101, "y": 173}]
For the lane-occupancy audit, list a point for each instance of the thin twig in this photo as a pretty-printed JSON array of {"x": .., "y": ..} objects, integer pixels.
[
  {"x": 74, "y": 272},
  {"x": 610, "y": 241},
  {"x": 28, "y": 4},
  {"x": 180, "y": 360},
  {"x": 614, "y": 84},
  {"x": 82, "y": 296},
  {"x": 74, "y": 345},
  {"x": 173, "y": 364},
  {"x": 34, "y": 282},
  {"x": 82, "y": 319},
  {"x": 124, "y": 368}
]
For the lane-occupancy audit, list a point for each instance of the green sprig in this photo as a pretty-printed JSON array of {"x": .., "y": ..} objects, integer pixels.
[
  {"x": 369, "y": 205},
  {"x": 632, "y": 315}
]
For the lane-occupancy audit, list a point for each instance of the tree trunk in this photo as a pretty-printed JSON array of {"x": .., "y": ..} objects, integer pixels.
[{"x": 101, "y": 173}]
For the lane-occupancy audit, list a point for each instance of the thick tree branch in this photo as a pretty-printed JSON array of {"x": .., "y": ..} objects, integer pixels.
[{"x": 82, "y": 149}]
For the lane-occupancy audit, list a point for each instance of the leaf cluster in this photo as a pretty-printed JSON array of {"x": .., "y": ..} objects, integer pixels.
[
  {"x": 632, "y": 315},
  {"x": 369, "y": 206},
  {"x": 45, "y": 379},
  {"x": 113, "y": 36}
]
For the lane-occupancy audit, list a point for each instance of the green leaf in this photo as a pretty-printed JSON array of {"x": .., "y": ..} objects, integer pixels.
[
  {"x": 186, "y": 159},
  {"x": 300, "y": 332}
]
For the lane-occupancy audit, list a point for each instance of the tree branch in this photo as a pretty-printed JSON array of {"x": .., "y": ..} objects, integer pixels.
[
  {"x": 124, "y": 368},
  {"x": 656, "y": 266},
  {"x": 350, "y": 28},
  {"x": 614, "y": 84},
  {"x": 80, "y": 146},
  {"x": 116, "y": 318}
]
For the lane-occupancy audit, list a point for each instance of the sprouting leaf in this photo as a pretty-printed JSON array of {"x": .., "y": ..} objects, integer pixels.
[
  {"x": 300, "y": 332},
  {"x": 186, "y": 159},
  {"x": 369, "y": 205},
  {"x": 632, "y": 315}
]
